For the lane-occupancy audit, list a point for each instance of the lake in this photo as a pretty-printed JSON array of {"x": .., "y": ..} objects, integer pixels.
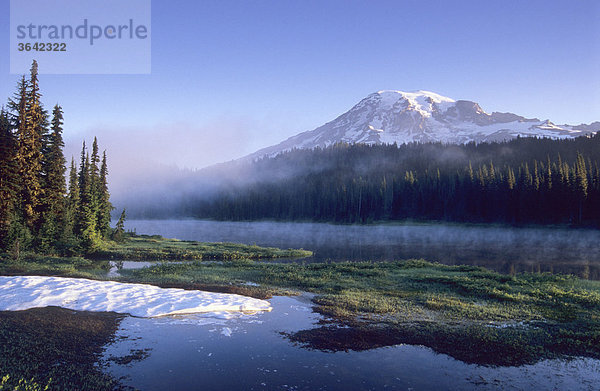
[
  {"x": 504, "y": 249},
  {"x": 252, "y": 352}
]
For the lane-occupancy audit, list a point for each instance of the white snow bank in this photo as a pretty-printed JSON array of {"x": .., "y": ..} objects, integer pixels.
[{"x": 24, "y": 292}]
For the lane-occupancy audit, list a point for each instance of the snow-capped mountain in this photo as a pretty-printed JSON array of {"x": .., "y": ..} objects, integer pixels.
[{"x": 423, "y": 116}]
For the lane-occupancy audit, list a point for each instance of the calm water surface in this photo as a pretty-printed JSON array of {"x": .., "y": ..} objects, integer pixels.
[
  {"x": 249, "y": 352},
  {"x": 507, "y": 250}
]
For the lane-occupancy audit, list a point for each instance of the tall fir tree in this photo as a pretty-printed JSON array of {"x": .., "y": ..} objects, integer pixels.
[
  {"x": 68, "y": 234},
  {"x": 54, "y": 201},
  {"x": 82, "y": 180},
  {"x": 19, "y": 235},
  {"x": 580, "y": 185},
  {"x": 54, "y": 162},
  {"x": 95, "y": 165},
  {"x": 104, "y": 205},
  {"x": 82, "y": 183},
  {"x": 9, "y": 179},
  {"x": 94, "y": 177},
  {"x": 82, "y": 168},
  {"x": 30, "y": 133},
  {"x": 86, "y": 217},
  {"x": 18, "y": 108},
  {"x": 73, "y": 198}
]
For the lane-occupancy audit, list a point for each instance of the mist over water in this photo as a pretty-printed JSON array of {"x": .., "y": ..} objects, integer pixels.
[{"x": 504, "y": 249}]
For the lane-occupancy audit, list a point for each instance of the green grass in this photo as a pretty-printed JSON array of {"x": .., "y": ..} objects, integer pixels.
[
  {"x": 55, "y": 347},
  {"x": 35, "y": 264},
  {"x": 7, "y": 383},
  {"x": 138, "y": 248},
  {"x": 148, "y": 248},
  {"x": 403, "y": 290}
]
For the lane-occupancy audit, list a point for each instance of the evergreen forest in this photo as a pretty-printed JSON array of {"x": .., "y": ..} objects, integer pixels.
[
  {"x": 517, "y": 182},
  {"x": 39, "y": 210}
]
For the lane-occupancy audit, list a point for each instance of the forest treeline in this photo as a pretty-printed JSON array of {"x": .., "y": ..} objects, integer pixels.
[
  {"x": 523, "y": 181},
  {"x": 37, "y": 211}
]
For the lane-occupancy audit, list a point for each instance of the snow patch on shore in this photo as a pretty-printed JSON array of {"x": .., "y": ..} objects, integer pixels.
[{"x": 24, "y": 292}]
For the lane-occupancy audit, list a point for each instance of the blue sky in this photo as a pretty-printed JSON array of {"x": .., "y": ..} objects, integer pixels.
[{"x": 229, "y": 77}]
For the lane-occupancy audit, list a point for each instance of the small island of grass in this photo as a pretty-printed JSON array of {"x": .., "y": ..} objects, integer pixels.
[
  {"x": 157, "y": 248},
  {"x": 137, "y": 248}
]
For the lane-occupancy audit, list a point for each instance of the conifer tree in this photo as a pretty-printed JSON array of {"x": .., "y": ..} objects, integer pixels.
[
  {"x": 73, "y": 198},
  {"x": 30, "y": 132},
  {"x": 548, "y": 179},
  {"x": 8, "y": 177},
  {"x": 82, "y": 167},
  {"x": 72, "y": 207},
  {"x": 90, "y": 237},
  {"x": 53, "y": 203},
  {"x": 104, "y": 205},
  {"x": 581, "y": 185},
  {"x": 94, "y": 166},
  {"x": 119, "y": 232},
  {"x": 55, "y": 168},
  {"x": 581, "y": 180},
  {"x": 19, "y": 236},
  {"x": 35, "y": 205},
  {"x": 18, "y": 107},
  {"x": 87, "y": 216},
  {"x": 510, "y": 181},
  {"x": 94, "y": 178},
  {"x": 92, "y": 207}
]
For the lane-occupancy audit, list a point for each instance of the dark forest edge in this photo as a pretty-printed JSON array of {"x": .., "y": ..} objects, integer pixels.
[{"x": 525, "y": 181}]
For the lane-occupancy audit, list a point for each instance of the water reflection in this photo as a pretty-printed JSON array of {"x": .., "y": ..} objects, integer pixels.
[
  {"x": 250, "y": 353},
  {"x": 115, "y": 267}
]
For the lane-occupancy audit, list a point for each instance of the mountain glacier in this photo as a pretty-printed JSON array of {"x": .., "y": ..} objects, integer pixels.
[{"x": 422, "y": 116}]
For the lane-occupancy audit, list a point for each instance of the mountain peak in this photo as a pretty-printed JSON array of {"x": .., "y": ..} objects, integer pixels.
[
  {"x": 415, "y": 94},
  {"x": 418, "y": 98},
  {"x": 392, "y": 116},
  {"x": 423, "y": 102}
]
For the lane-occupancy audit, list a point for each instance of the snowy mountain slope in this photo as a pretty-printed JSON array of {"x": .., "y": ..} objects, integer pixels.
[{"x": 423, "y": 116}]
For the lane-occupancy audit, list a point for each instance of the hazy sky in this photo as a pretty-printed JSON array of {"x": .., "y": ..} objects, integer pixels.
[{"x": 229, "y": 77}]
